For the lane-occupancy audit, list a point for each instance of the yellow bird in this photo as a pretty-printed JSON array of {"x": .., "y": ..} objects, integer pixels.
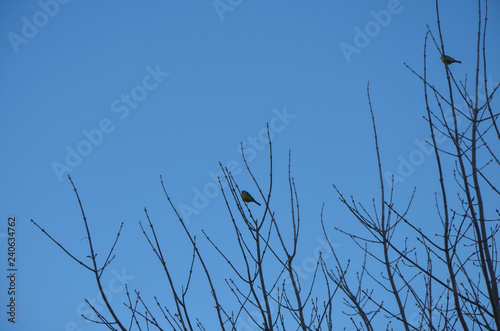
[
  {"x": 448, "y": 60},
  {"x": 247, "y": 197}
]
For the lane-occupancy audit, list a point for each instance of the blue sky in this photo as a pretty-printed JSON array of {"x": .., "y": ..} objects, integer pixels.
[{"x": 119, "y": 93}]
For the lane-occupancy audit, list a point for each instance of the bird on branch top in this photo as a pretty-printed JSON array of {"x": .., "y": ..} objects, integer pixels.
[
  {"x": 247, "y": 197},
  {"x": 449, "y": 60}
]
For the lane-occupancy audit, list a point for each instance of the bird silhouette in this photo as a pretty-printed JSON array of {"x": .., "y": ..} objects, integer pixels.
[{"x": 247, "y": 197}]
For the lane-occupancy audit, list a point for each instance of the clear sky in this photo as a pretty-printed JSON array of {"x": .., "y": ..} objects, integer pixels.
[{"x": 117, "y": 93}]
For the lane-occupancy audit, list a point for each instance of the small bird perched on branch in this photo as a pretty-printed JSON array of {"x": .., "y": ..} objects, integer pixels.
[
  {"x": 247, "y": 197},
  {"x": 448, "y": 60}
]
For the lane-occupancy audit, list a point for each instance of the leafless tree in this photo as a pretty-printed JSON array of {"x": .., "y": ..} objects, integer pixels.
[
  {"x": 449, "y": 276},
  {"x": 466, "y": 297}
]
